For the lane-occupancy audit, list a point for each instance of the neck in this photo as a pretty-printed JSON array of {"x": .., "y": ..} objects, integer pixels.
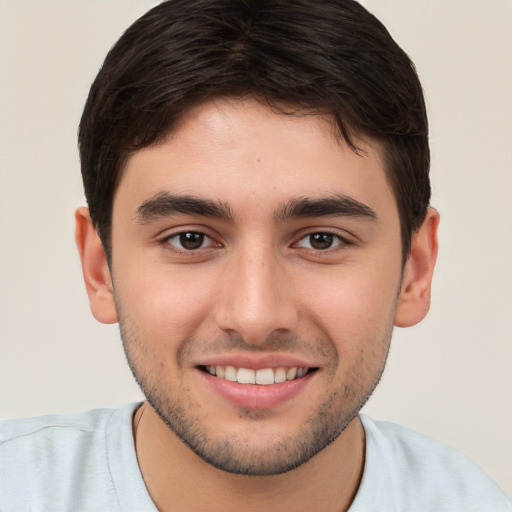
[{"x": 178, "y": 480}]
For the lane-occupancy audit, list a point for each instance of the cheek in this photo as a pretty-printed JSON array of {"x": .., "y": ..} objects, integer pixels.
[
  {"x": 165, "y": 304},
  {"x": 353, "y": 306}
]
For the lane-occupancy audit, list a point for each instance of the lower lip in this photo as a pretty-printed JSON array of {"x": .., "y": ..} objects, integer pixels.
[{"x": 254, "y": 396}]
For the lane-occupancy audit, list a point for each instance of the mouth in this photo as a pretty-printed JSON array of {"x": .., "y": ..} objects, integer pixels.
[
  {"x": 262, "y": 385},
  {"x": 261, "y": 377}
]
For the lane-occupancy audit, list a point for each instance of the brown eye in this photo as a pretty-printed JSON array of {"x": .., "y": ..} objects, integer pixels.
[
  {"x": 189, "y": 240},
  {"x": 320, "y": 241}
]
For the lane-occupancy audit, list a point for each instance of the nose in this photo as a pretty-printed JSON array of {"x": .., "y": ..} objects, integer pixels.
[{"x": 255, "y": 298}]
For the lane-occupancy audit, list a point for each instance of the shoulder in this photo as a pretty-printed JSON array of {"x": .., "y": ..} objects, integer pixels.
[
  {"x": 26, "y": 428},
  {"x": 55, "y": 437},
  {"x": 50, "y": 459},
  {"x": 408, "y": 469}
]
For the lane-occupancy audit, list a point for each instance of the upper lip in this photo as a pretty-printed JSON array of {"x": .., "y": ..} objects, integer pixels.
[{"x": 256, "y": 361}]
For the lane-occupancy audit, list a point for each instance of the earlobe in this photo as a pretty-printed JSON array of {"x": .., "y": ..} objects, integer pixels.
[
  {"x": 414, "y": 299},
  {"x": 95, "y": 269}
]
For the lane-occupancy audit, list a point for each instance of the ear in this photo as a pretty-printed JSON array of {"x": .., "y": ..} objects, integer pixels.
[
  {"x": 95, "y": 269},
  {"x": 414, "y": 299}
]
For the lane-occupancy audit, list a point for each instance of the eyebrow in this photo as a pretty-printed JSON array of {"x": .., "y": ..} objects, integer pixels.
[
  {"x": 337, "y": 205},
  {"x": 164, "y": 204}
]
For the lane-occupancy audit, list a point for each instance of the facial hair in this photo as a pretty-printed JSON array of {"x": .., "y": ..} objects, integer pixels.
[{"x": 232, "y": 453}]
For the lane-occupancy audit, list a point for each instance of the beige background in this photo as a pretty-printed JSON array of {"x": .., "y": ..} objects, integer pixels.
[{"x": 450, "y": 377}]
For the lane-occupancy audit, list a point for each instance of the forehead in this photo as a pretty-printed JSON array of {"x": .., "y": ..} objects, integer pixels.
[{"x": 243, "y": 153}]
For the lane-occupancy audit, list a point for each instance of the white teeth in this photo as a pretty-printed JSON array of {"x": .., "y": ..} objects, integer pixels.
[
  {"x": 230, "y": 373},
  {"x": 263, "y": 377},
  {"x": 246, "y": 376},
  {"x": 280, "y": 375},
  {"x": 291, "y": 374}
]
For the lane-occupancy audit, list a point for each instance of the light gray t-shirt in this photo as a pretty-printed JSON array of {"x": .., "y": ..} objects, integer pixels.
[{"x": 87, "y": 463}]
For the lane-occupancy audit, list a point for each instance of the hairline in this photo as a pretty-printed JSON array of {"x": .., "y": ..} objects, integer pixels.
[{"x": 279, "y": 107}]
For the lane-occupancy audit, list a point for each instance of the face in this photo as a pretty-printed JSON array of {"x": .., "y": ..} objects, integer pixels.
[{"x": 256, "y": 267}]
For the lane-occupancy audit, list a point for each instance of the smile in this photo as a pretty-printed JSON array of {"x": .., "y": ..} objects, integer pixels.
[{"x": 263, "y": 377}]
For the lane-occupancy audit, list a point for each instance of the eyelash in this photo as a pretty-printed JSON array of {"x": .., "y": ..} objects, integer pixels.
[
  {"x": 200, "y": 237},
  {"x": 179, "y": 235},
  {"x": 336, "y": 241}
]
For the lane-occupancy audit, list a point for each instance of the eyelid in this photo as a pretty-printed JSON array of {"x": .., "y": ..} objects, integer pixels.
[
  {"x": 178, "y": 235},
  {"x": 164, "y": 239},
  {"x": 341, "y": 240},
  {"x": 342, "y": 235}
]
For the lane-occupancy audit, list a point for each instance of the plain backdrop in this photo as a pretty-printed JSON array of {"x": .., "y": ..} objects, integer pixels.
[{"x": 449, "y": 377}]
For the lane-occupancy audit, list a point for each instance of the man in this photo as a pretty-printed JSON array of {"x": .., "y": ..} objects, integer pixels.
[{"x": 258, "y": 220}]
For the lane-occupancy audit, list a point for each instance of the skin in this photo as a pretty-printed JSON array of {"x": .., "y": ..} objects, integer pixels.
[{"x": 257, "y": 291}]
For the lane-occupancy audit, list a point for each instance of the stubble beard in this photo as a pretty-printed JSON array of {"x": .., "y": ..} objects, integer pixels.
[{"x": 234, "y": 454}]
